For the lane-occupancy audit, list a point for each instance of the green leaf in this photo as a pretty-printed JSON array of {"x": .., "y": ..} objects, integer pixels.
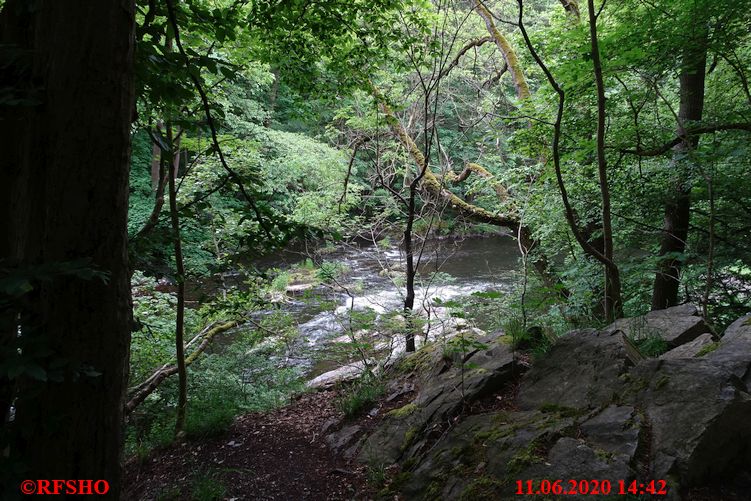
[{"x": 488, "y": 295}]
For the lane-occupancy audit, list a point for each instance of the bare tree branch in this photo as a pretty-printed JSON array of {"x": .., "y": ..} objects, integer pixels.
[
  {"x": 472, "y": 43},
  {"x": 147, "y": 387},
  {"x": 692, "y": 131}
]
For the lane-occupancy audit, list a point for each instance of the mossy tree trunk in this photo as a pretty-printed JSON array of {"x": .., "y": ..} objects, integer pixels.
[{"x": 508, "y": 52}]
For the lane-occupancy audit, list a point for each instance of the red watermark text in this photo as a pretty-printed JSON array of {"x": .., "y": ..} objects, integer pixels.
[{"x": 69, "y": 487}]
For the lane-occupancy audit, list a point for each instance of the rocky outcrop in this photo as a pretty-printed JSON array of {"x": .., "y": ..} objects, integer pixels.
[
  {"x": 614, "y": 430},
  {"x": 449, "y": 377},
  {"x": 739, "y": 331},
  {"x": 690, "y": 350},
  {"x": 492, "y": 447},
  {"x": 698, "y": 413},
  {"x": 732, "y": 351},
  {"x": 582, "y": 370},
  {"x": 588, "y": 410},
  {"x": 677, "y": 325}
]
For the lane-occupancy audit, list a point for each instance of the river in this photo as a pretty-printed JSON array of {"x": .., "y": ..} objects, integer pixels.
[{"x": 373, "y": 279}]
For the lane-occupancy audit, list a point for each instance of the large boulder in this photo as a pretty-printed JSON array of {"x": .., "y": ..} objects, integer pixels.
[
  {"x": 585, "y": 368},
  {"x": 698, "y": 417},
  {"x": 733, "y": 352},
  {"x": 677, "y": 325},
  {"x": 740, "y": 330},
  {"x": 691, "y": 349},
  {"x": 448, "y": 380},
  {"x": 582, "y": 370}
]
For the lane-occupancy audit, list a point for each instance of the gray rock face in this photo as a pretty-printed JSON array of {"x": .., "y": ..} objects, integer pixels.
[
  {"x": 691, "y": 349},
  {"x": 615, "y": 430},
  {"x": 389, "y": 442},
  {"x": 491, "y": 446},
  {"x": 734, "y": 350},
  {"x": 677, "y": 325},
  {"x": 483, "y": 371},
  {"x": 575, "y": 459},
  {"x": 738, "y": 330},
  {"x": 341, "y": 439},
  {"x": 584, "y": 412},
  {"x": 444, "y": 389},
  {"x": 582, "y": 370},
  {"x": 698, "y": 414}
]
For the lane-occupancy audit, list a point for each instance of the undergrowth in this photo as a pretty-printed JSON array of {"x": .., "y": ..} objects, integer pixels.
[
  {"x": 221, "y": 386},
  {"x": 361, "y": 394}
]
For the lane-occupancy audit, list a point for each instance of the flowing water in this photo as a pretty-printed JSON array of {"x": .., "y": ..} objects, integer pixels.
[{"x": 373, "y": 279}]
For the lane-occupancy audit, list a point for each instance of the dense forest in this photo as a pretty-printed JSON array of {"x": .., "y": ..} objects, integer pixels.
[{"x": 230, "y": 223}]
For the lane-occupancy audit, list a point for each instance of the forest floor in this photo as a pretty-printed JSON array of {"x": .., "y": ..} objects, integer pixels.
[
  {"x": 268, "y": 456},
  {"x": 281, "y": 454}
]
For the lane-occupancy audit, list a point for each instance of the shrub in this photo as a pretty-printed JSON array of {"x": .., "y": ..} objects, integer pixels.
[
  {"x": 532, "y": 339},
  {"x": 360, "y": 395},
  {"x": 651, "y": 345}
]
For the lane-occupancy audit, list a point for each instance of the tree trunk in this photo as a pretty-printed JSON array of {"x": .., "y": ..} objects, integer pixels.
[
  {"x": 182, "y": 400},
  {"x": 613, "y": 302},
  {"x": 612, "y": 278},
  {"x": 678, "y": 203},
  {"x": 162, "y": 174},
  {"x": 156, "y": 163},
  {"x": 69, "y": 148},
  {"x": 509, "y": 55},
  {"x": 409, "y": 300}
]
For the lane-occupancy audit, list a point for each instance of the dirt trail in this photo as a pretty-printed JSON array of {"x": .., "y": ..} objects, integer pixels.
[{"x": 278, "y": 455}]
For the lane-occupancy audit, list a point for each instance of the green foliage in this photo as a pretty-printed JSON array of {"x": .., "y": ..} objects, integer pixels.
[
  {"x": 154, "y": 312},
  {"x": 441, "y": 278},
  {"x": 222, "y": 385},
  {"x": 532, "y": 339},
  {"x": 281, "y": 281},
  {"x": 360, "y": 395},
  {"x": 207, "y": 488},
  {"x": 237, "y": 375},
  {"x": 709, "y": 348},
  {"x": 330, "y": 271},
  {"x": 650, "y": 344},
  {"x": 376, "y": 474},
  {"x": 141, "y": 198}
]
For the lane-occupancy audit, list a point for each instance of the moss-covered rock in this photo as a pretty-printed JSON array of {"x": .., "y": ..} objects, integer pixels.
[{"x": 403, "y": 411}]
